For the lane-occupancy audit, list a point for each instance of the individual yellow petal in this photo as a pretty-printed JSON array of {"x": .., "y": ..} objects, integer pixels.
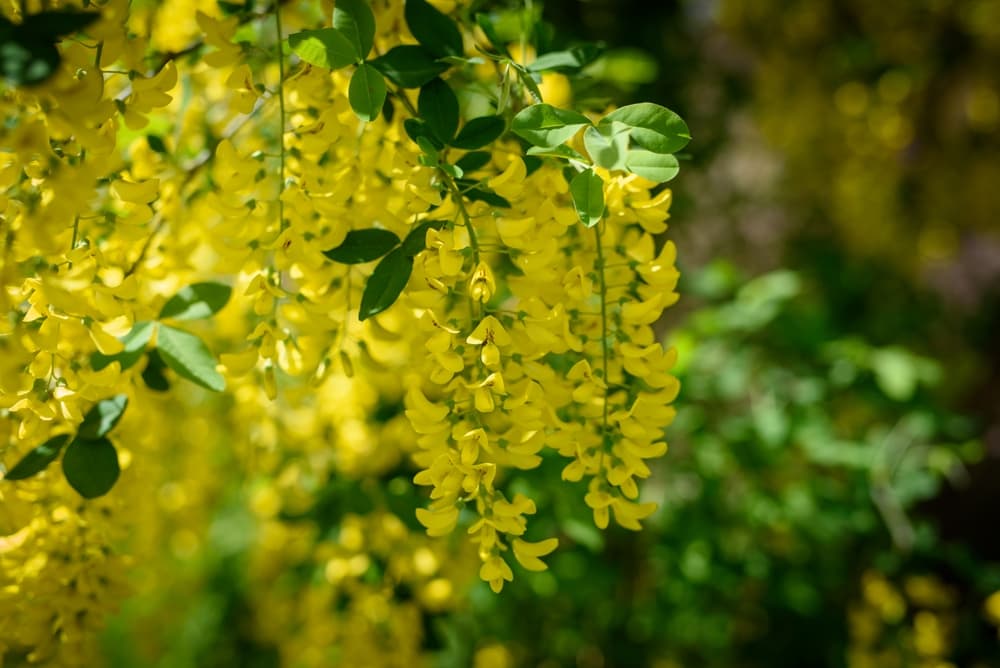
[
  {"x": 105, "y": 343},
  {"x": 438, "y": 522},
  {"x": 528, "y": 554},
  {"x": 628, "y": 514},
  {"x": 137, "y": 193},
  {"x": 495, "y": 568},
  {"x": 489, "y": 329}
]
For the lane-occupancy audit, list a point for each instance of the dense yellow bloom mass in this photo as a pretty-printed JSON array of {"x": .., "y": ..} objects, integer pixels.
[{"x": 134, "y": 174}]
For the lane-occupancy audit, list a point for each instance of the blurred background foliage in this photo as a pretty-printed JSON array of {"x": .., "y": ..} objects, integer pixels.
[{"x": 834, "y": 464}]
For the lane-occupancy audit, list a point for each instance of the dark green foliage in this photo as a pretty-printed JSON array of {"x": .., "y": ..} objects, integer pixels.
[
  {"x": 361, "y": 246},
  {"x": 37, "y": 459},
  {"x": 28, "y": 53},
  {"x": 409, "y": 65},
  {"x": 435, "y": 31},
  {"x": 386, "y": 283},
  {"x": 91, "y": 467}
]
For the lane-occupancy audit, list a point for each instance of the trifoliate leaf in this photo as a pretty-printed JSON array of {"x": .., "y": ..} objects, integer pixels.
[{"x": 607, "y": 145}]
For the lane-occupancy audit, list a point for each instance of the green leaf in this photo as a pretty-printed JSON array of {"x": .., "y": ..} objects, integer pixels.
[
  {"x": 587, "y": 190},
  {"x": 485, "y": 24},
  {"x": 134, "y": 344},
  {"x": 438, "y": 107},
  {"x": 189, "y": 357},
  {"x": 354, "y": 19},
  {"x": 607, "y": 145},
  {"x": 91, "y": 467},
  {"x": 363, "y": 246},
  {"x": 545, "y": 125},
  {"x": 480, "y": 132},
  {"x": 434, "y": 30},
  {"x": 197, "y": 301},
  {"x": 528, "y": 80},
  {"x": 327, "y": 48},
  {"x": 409, "y": 65},
  {"x": 653, "y": 127},
  {"x": 431, "y": 157},
  {"x": 155, "y": 143},
  {"x": 25, "y": 63},
  {"x": 454, "y": 171},
  {"x": 153, "y": 375},
  {"x": 657, "y": 167},
  {"x": 367, "y": 92},
  {"x": 102, "y": 418},
  {"x": 28, "y": 53},
  {"x": 470, "y": 162},
  {"x": 37, "y": 458},
  {"x": 416, "y": 240},
  {"x": 561, "y": 151},
  {"x": 417, "y": 129},
  {"x": 570, "y": 60},
  {"x": 386, "y": 283}
]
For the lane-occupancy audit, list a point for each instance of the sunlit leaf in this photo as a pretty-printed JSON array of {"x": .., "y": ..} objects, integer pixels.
[
  {"x": 607, "y": 145},
  {"x": 189, "y": 357},
  {"x": 327, "y": 48},
  {"x": 653, "y": 127},
  {"x": 545, "y": 125},
  {"x": 657, "y": 167}
]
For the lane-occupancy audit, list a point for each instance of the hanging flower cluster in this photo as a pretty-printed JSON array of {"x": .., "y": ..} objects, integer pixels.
[{"x": 343, "y": 246}]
